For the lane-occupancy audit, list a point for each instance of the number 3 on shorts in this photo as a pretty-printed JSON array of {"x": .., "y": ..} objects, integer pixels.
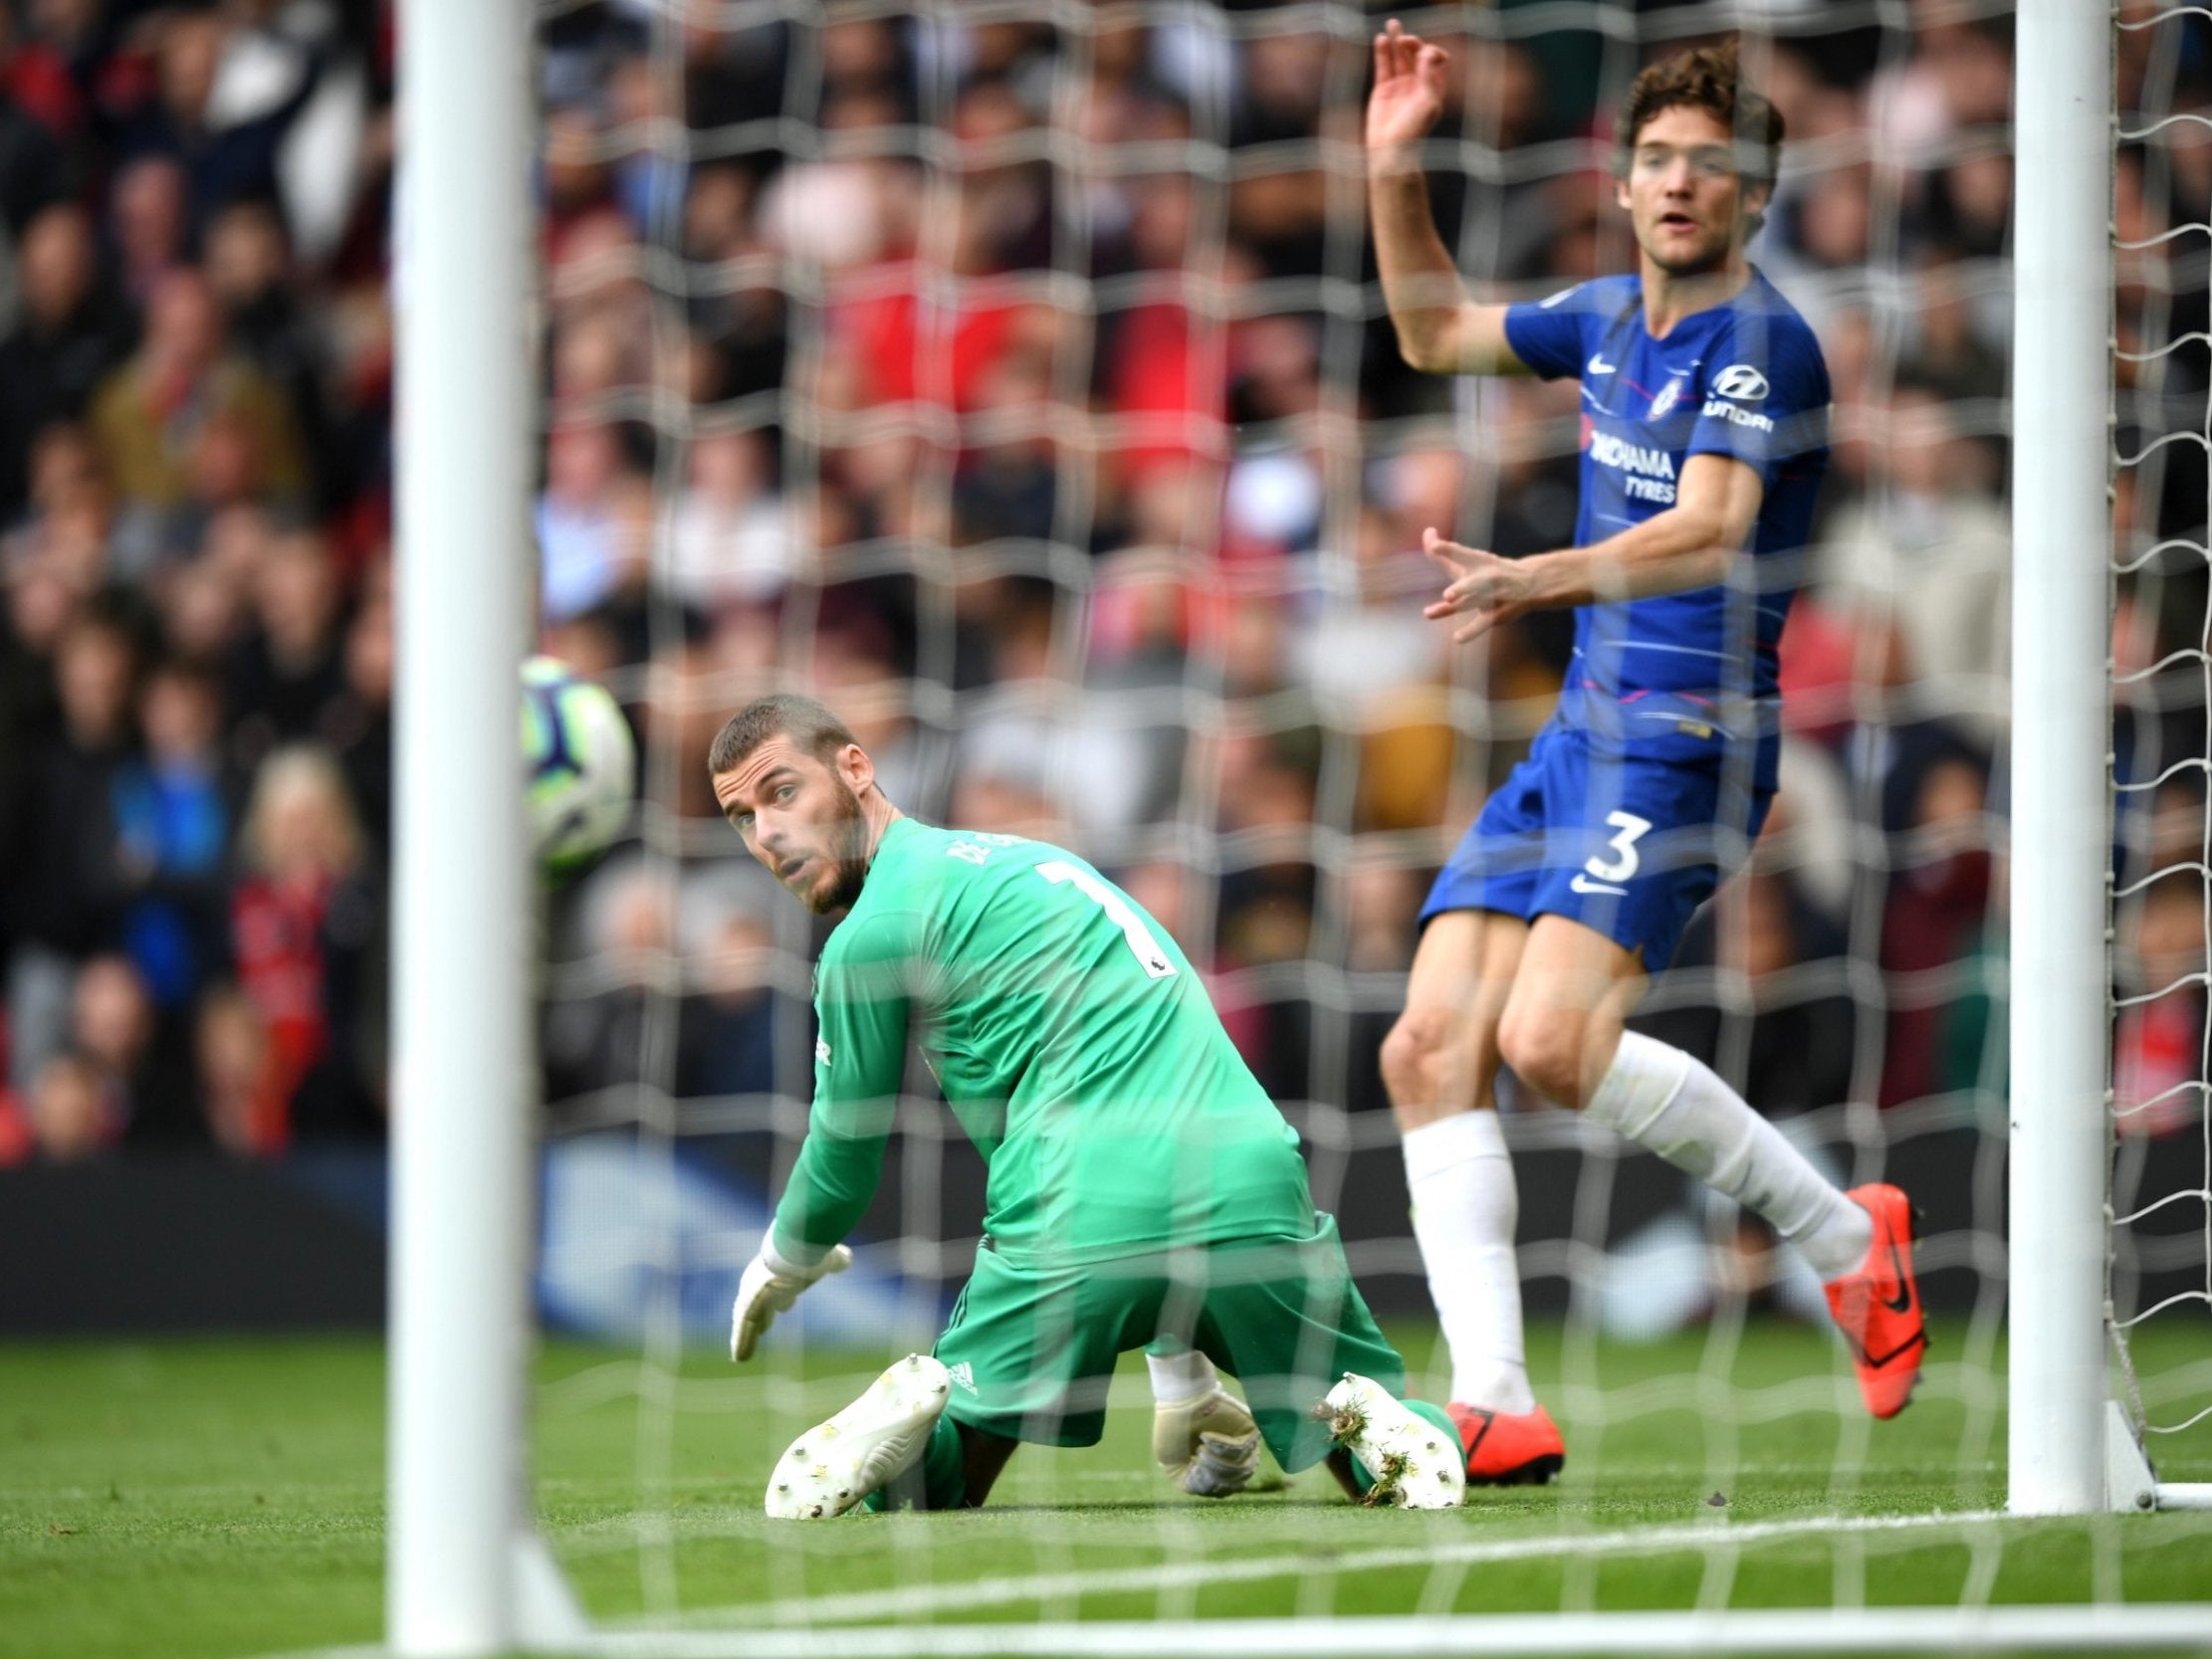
[{"x": 1629, "y": 830}]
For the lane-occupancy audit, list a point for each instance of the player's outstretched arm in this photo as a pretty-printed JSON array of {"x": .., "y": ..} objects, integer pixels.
[
  {"x": 1689, "y": 546},
  {"x": 1440, "y": 329}
]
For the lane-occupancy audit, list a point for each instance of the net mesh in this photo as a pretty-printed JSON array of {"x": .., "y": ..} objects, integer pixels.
[
  {"x": 2160, "y": 1207},
  {"x": 1015, "y": 378}
]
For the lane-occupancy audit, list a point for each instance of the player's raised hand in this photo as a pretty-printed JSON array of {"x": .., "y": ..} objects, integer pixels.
[
  {"x": 770, "y": 1286},
  {"x": 1484, "y": 588},
  {"x": 1408, "y": 96}
]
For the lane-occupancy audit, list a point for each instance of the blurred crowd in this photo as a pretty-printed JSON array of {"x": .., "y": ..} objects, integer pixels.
[{"x": 1023, "y": 390}]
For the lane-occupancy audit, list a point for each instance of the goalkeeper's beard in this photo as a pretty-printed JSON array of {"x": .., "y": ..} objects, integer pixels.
[{"x": 847, "y": 837}]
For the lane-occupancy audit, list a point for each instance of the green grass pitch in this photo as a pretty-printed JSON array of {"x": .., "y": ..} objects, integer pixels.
[{"x": 222, "y": 1498}]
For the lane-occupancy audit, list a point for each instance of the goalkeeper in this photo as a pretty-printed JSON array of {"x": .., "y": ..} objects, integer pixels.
[{"x": 1143, "y": 1192}]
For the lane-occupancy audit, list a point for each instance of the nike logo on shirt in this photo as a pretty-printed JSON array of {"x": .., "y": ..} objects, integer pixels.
[{"x": 1598, "y": 364}]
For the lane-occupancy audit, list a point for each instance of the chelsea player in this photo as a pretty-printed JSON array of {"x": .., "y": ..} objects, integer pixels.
[{"x": 1704, "y": 415}]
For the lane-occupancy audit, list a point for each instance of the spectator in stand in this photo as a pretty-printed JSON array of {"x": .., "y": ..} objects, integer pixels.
[
  {"x": 1973, "y": 200},
  {"x": 174, "y": 810},
  {"x": 36, "y": 109},
  {"x": 2158, "y": 961},
  {"x": 150, "y": 416},
  {"x": 290, "y": 672},
  {"x": 203, "y": 612},
  {"x": 1281, "y": 214},
  {"x": 594, "y": 520},
  {"x": 1938, "y": 906},
  {"x": 71, "y": 1115},
  {"x": 746, "y": 326},
  {"x": 2159, "y": 1042},
  {"x": 725, "y": 1032},
  {"x": 307, "y": 937},
  {"x": 68, "y": 880},
  {"x": 1266, "y": 801},
  {"x": 149, "y": 214},
  {"x": 729, "y": 543},
  {"x": 1951, "y": 354},
  {"x": 1958, "y": 77},
  {"x": 625, "y": 919},
  {"x": 141, "y": 1064},
  {"x": 1927, "y": 549},
  {"x": 1381, "y": 908},
  {"x": 359, "y": 724},
  {"x": 575, "y": 183},
  {"x": 70, "y": 330},
  {"x": 222, "y": 99},
  {"x": 1370, "y": 654},
  {"x": 43, "y": 581},
  {"x": 1007, "y": 484},
  {"x": 236, "y": 547},
  {"x": 266, "y": 319},
  {"x": 240, "y": 1089},
  {"x": 1162, "y": 359},
  {"x": 69, "y": 527}
]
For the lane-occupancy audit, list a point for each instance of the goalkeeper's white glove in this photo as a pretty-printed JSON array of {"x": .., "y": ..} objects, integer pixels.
[
  {"x": 770, "y": 1286},
  {"x": 1208, "y": 1445}
]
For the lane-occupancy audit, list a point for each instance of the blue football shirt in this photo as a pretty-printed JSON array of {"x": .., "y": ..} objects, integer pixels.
[{"x": 1679, "y": 674}]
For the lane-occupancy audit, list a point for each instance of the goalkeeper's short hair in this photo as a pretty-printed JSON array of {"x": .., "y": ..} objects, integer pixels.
[{"x": 806, "y": 723}]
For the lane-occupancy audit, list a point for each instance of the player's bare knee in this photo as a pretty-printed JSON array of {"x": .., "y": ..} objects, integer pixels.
[
  {"x": 1420, "y": 1060},
  {"x": 1545, "y": 1048}
]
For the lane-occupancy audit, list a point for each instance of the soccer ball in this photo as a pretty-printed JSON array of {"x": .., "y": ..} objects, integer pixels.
[{"x": 579, "y": 764}]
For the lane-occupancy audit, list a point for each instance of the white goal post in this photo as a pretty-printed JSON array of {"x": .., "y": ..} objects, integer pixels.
[
  {"x": 463, "y": 1576},
  {"x": 2060, "y": 609},
  {"x": 2069, "y": 1447}
]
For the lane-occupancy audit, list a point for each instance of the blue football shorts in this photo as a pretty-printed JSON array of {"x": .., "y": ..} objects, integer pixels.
[{"x": 1627, "y": 845}]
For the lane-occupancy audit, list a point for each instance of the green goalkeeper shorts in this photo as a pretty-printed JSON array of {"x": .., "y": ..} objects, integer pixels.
[{"x": 1032, "y": 1349}]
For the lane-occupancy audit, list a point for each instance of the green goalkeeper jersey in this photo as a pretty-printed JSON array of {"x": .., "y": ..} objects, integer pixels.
[{"x": 1073, "y": 1042}]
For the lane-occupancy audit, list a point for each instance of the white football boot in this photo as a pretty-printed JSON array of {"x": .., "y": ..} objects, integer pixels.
[
  {"x": 1207, "y": 1445},
  {"x": 868, "y": 1445},
  {"x": 1414, "y": 1463}
]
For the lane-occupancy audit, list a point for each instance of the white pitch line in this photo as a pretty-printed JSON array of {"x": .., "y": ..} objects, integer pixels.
[
  {"x": 1881, "y": 1632},
  {"x": 1703, "y": 1633},
  {"x": 922, "y": 1599}
]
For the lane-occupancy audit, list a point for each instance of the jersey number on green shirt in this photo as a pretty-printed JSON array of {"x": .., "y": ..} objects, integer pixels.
[{"x": 1142, "y": 945}]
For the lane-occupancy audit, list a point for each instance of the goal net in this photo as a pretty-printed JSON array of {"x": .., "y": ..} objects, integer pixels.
[
  {"x": 1015, "y": 379},
  {"x": 2160, "y": 1205}
]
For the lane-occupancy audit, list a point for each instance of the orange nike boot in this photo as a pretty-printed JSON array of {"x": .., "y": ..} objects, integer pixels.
[
  {"x": 1509, "y": 1448},
  {"x": 1879, "y": 1307}
]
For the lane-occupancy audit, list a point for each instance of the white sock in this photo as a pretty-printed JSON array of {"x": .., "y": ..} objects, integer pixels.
[
  {"x": 1465, "y": 1207},
  {"x": 1671, "y": 1102},
  {"x": 1179, "y": 1377}
]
